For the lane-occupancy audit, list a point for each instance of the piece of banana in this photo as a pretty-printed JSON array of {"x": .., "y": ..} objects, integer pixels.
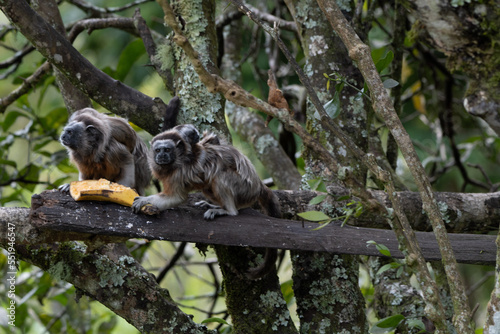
[{"x": 102, "y": 190}]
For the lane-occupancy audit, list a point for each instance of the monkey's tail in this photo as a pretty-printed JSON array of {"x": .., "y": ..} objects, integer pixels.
[{"x": 270, "y": 204}]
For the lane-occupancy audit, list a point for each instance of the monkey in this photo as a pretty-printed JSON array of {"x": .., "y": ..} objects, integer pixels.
[
  {"x": 224, "y": 175},
  {"x": 189, "y": 133},
  {"x": 227, "y": 179},
  {"x": 107, "y": 147}
]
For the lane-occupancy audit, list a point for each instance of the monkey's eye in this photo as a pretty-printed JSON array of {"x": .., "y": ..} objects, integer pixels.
[
  {"x": 157, "y": 150},
  {"x": 168, "y": 149}
]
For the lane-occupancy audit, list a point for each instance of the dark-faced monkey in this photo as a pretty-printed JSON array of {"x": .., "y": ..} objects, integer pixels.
[
  {"x": 106, "y": 147},
  {"x": 225, "y": 176},
  {"x": 183, "y": 163}
]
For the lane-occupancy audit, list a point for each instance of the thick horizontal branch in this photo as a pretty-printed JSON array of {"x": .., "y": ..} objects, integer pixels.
[{"x": 56, "y": 212}]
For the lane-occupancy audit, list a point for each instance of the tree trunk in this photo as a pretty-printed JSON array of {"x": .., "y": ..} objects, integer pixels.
[{"x": 334, "y": 278}]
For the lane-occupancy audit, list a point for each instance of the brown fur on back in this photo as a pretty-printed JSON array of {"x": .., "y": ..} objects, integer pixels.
[{"x": 113, "y": 145}]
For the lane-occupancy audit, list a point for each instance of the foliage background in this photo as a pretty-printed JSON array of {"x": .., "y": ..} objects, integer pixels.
[{"x": 32, "y": 160}]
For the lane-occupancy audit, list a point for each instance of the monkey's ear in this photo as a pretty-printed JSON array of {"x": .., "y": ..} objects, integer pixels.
[
  {"x": 177, "y": 143},
  {"x": 92, "y": 129}
]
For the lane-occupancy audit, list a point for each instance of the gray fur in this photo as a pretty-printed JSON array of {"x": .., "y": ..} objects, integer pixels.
[{"x": 106, "y": 147}]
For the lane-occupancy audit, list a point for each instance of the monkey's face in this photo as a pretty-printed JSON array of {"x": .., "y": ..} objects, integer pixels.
[
  {"x": 72, "y": 135},
  {"x": 76, "y": 135},
  {"x": 164, "y": 151}
]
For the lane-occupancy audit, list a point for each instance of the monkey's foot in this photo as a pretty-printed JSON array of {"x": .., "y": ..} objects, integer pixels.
[
  {"x": 212, "y": 213},
  {"x": 206, "y": 205},
  {"x": 64, "y": 188}
]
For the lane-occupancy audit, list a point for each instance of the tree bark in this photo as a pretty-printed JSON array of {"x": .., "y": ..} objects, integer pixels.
[
  {"x": 250, "y": 126},
  {"x": 109, "y": 275},
  {"x": 74, "y": 98},
  {"x": 467, "y": 33},
  {"x": 330, "y": 278},
  {"x": 53, "y": 211},
  {"x": 244, "y": 298},
  {"x": 125, "y": 101}
]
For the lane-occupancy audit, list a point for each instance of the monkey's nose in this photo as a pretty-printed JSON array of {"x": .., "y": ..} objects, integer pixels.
[{"x": 162, "y": 160}]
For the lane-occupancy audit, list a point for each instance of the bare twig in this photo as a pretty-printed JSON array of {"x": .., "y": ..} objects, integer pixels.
[
  {"x": 26, "y": 86},
  {"x": 17, "y": 57},
  {"x": 227, "y": 17},
  {"x": 97, "y": 11},
  {"x": 404, "y": 230},
  {"x": 150, "y": 46}
]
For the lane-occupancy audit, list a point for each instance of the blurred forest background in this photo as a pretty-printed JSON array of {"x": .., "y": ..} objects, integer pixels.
[{"x": 459, "y": 151}]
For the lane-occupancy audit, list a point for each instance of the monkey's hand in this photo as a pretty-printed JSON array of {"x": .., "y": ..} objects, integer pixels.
[
  {"x": 64, "y": 188},
  {"x": 139, "y": 202},
  {"x": 160, "y": 201}
]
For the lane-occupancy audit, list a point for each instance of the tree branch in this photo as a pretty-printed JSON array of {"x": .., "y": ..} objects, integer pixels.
[
  {"x": 139, "y": 108},
  {"x": 382, "y": 104},
  {"x": 53, "y": 211}
]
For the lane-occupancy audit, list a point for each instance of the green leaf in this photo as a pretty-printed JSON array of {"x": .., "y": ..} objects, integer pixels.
[
  {"x": 317, "y": 184},
  {"x": 55, "y": 118},
  {"x": 29, "y": 173},
  {"x": 391, "y": 322},
  {"x": 390, "y": 83},
  {"x": 383, "y": 250},
  {"x": 415, "y": 323},
  {"x": 400, "y": 271},
  {"x": 378, "y": 53},
  {"x": 8, "y": 163},
  {"x": 65, "y": 167},
  {"x": 387, "y": 324},
  {"x": 215, "y": 319},
  {"x": 384, "y": 62},
  {"x": 392, "y": 265},
  {"x": 287, "y": 291},
  {"x": 343, "y": 198},
  {"x": 315, "y": 216},
  {"x": 318, "y": 199},
  {"x": 12, "y": 117},
  {"x": 41, "y": 144},
  {"x": 323, "y": 224},
  {"x": 46, "y": 85},
  {"x": 339, "y": 87},
  {"x": 332, "y": 107},
  {"x": 128, "y": 57}
]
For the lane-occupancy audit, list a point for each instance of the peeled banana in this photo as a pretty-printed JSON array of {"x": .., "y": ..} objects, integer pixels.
[{"x": 102, "y": 190}]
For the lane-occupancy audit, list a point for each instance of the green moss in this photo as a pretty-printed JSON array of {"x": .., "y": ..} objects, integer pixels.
[
  {"x": 60, "y": 270},
  {"x": 265, "y": 142},
  {"x": 199, "y": 106},
  {"x": 109, "y": 273},
  {"x": 164, "y": 56}
]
